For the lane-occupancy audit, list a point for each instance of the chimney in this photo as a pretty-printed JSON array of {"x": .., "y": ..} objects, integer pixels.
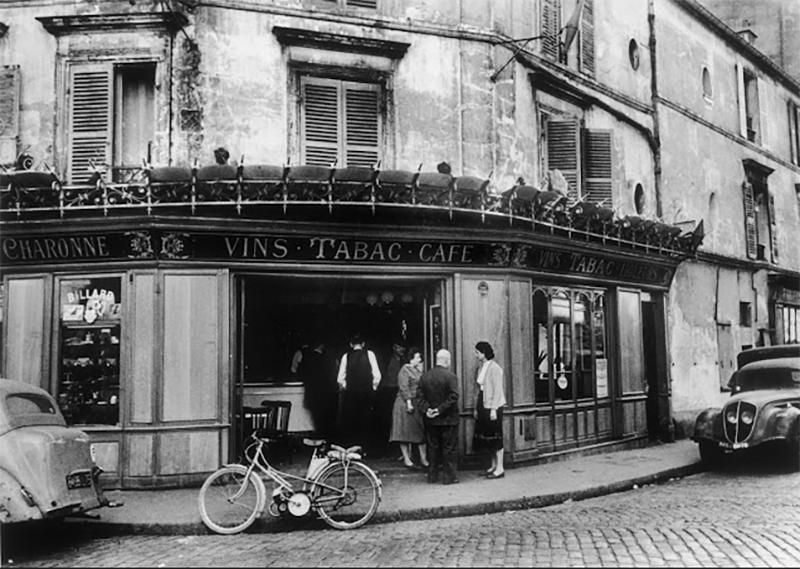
[{"x": 748, "y": 35}]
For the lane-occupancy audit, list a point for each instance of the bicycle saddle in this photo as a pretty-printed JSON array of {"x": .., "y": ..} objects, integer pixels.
[{"x": 313, "y": 442}]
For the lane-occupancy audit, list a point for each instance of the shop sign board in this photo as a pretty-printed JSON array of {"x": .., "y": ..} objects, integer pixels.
[{"x": 259, "y": 248}]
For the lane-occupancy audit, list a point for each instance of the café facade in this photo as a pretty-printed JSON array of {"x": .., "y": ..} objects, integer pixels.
[{"x": 159, "y": 318}]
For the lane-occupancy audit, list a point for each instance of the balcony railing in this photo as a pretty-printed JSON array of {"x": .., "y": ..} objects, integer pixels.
[{"x": 275, "y": 191}]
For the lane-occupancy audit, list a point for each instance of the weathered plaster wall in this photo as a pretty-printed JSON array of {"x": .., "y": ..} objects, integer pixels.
[
  {"x": 241, "y": 86},
  {"x": 41, "y": 58},
  {"x": 28, "y": 45},
  {"x": 616, "y": 23},
  {"x": 684, "y": 48},
  {"x": 702, "y": 175},
  {"x": 775, "y": 22},
  {"x": 632, "y": 162}
]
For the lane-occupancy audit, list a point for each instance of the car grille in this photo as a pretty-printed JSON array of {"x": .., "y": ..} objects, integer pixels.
[{"x": 737, "y": 431}]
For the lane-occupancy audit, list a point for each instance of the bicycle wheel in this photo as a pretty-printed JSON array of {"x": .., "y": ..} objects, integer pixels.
[
  {"x": 230, "y": 501},
  {"x": 349, "y": 497}
]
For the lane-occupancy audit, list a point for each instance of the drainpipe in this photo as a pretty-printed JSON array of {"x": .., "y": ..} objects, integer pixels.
[{"x": 651, "y": 20}]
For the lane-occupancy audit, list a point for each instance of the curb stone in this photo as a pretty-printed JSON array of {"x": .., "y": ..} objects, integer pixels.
[{"x": 101, "y": 529}]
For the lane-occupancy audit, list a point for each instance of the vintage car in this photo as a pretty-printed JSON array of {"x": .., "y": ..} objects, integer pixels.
[
  {"x": 46, "y": 467},
  {"x": 764, "y": 407}
]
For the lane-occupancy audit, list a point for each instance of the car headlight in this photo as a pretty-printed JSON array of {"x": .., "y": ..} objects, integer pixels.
[
  {"x": 731, "y": 416},
  {"x": 747, "y": 417}
]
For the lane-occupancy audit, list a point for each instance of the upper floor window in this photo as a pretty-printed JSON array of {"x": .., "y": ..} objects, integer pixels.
[
  {"x": 752, "y": 107},
  {"x": 582, "y": 155},
  {"x": 794, "y": 132},
  {"x": 111, "y": 118},
  {"x": 341, "y": 121},
  {"x": 708, "y": 90},
  {"x": 568, "y": 30},
  {"x": 759, "y": 207}
]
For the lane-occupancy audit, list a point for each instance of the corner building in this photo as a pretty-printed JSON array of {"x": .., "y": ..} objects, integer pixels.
[{"x": 160, "y": 294}]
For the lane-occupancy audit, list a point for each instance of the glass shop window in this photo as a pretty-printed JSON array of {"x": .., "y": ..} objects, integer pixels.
[
  {"x": 88, "y": 381},
  {"x": 570, "y": 345},
  {"x": 791, "y": 324}
]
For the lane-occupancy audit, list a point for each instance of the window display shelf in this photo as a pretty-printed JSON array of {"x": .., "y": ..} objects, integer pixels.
[{"x": 89, "y": 378}]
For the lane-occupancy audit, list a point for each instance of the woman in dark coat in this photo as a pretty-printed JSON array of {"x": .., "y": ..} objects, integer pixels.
[{"x": 407, "y": 424}]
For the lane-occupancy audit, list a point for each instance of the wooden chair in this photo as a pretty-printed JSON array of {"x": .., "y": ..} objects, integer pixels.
[{"x": 271, "y": 420}]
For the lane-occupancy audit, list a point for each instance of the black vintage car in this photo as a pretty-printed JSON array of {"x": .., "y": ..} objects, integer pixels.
[{"x": 764, "y": 407}]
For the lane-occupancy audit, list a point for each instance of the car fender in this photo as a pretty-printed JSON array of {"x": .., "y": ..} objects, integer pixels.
[
  {"x": 16, "y": 503},
  {"x": 706, "y": 425},
  {"x": 779, "y": 423}
]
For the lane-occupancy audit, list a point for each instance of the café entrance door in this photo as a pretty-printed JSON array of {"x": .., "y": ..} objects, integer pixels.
[{"x": 282, "y": 317}]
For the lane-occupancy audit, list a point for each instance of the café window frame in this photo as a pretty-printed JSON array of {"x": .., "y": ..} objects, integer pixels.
[
  {"x": 89, "y": 344},
  {"x": 570, "y": 344}
]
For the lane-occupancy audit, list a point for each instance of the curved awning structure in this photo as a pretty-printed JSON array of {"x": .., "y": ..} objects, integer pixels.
[{"x": 363, "y": 195}]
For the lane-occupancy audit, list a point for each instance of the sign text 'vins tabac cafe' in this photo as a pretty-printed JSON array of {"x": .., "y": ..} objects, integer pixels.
[{"x": 169, "y": 245}]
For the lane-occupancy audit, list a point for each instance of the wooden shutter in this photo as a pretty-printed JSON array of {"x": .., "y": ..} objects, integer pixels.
[
  {"x": 563, "y": 150},
  {"x": 9, "y": 113},
  {"x": 773, "y": 226},
  {"x": 587, "y": 38},
  {"x": 320, "y": 121},
  {"x": 749, "y": 219},
  {"x": 794, "y": 141},
  {"x": 742, "y": 100},
  {"x": 796, "y": 123},
  {"x": 89, "y": 137},
  {"x": 597, "y": 181},
  {"x": 550, "y": 27},
  {"x": 362, "y": 124},
  {"x": 763, "y": 112},
  {"x": 340, "y": 120}
]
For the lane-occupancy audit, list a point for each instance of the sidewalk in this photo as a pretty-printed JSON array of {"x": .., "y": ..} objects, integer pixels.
[{"x": 407, "y": 495}]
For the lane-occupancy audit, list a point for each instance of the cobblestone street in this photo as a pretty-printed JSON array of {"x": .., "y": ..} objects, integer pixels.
[{"x": 741, "y": 518}]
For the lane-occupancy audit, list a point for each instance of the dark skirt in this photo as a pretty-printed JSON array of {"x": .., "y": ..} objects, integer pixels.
[{"x": 488, "y": 434}]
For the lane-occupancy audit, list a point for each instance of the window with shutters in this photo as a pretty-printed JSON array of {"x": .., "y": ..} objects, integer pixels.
[
  {"x": 749, "y": 113},
  {"x": 794, "y": 132},
  {"x": 760, "y": 225},
  {"x": 340, "y": 121},
  {"x": 554, "y": 17},
  {"x": 583, "y": 156},
  {"x": 550, "y": 27},
  {"x": 111, "y": 122}
]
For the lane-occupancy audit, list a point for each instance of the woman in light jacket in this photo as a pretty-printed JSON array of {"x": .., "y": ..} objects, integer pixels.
[{"x": 489, "y": 409}]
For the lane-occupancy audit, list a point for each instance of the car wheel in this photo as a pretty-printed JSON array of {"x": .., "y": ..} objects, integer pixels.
[
  {"x": 794, "y": 456},
  {"x": 711, "y": 455}
]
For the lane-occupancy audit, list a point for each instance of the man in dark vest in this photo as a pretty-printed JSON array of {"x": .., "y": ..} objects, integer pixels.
[
  {"x": 359, "y": 376},
  {"x": 437, "y": 400}
]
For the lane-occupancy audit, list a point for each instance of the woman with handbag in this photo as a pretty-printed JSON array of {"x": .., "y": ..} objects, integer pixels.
[{"x": 489, "y": 410}]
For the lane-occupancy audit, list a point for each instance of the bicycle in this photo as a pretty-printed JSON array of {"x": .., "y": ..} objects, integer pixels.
[{"x": 340, "y": 488}]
